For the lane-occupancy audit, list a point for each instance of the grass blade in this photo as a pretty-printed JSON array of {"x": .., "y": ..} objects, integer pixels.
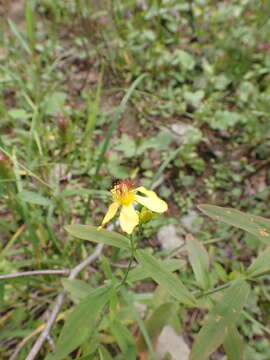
[
  {"x": 19, "y": 36},
  {"x": 106, "y": 142},
  {"x": 92, "y": 112},
  {"x": 115, "y": 121}
]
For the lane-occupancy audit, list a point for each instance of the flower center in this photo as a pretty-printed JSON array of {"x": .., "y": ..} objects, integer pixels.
[{"x": 122, "y": 192}]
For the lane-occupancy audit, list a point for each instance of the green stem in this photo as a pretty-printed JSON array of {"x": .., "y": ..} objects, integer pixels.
[
  {"x": 130, "y": 260},
  {"x": 212, "y": 291},
  {"x": 254, "y": 321}
]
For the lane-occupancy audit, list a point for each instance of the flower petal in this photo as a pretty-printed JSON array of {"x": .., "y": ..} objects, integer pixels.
[
  {"x": 110, "y": 213},
  {"x": 128, "y": 218},
  {"x": 151, "y": 200}
]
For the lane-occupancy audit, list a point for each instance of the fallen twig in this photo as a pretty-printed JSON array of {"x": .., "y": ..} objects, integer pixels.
[
  {"x": 51, "y": 342},
  {"x": 35, "y": 272},
  {"x": 57, "y": 306},
  {"x": 24, "y": 341},
  {"x": 122, "y": 266}
]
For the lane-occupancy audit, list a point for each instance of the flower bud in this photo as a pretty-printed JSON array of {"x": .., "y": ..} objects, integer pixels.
[
  {"x": 62, "y": 123},
  {"x": 145, "y": 216}
]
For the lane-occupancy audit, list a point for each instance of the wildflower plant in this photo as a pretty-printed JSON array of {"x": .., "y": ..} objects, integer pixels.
[
  {"x": 219, "y": 327},
  {"x": 110, "y": 308}
]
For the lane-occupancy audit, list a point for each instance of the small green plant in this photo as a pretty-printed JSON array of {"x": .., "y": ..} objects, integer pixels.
[
  {"x": 220, "y": 326},
  {"x": 97, "y": 310}
]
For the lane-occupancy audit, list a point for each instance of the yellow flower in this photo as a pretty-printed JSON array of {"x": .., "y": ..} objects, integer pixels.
[{"x": 124, "y": 194}]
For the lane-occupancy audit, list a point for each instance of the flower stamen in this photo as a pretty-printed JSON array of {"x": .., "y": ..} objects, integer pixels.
[{"x": 122, "y": 192}]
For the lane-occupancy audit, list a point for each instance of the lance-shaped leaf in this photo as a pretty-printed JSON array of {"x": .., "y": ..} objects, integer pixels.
[
  {"x": 139, "y": 273},
  {"x": 124, "y": 339},
  {"x": 255, "y": 225},
  {"x": 261, "y": 264},
  {"x": 199, "y": 260},
  {"x": 162, "y": 276},
  {"x": 78, "y": 289},
  {"x": 81, "y": 322},
  {"x": 234, "y": 345},
  {"x": 91, "y": 233},
  {"x": 220, "y": 321}
]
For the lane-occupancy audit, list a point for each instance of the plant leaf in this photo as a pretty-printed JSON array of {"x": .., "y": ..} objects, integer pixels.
[
  {"x": 223, "y": 120},
  {"x": 165, "y": 278},
  {"x": 255, "y": 225},
  {"x": 104, "y": 353},
  {"x": 234, "y": 345},
  {"x": 34, "y": 198},
  {"x": 261, "y": 264},
  {"x": 124, "y": 339},
  {"x": 185, "y": 59},
  {"x": 54, "y": 103},
  {"x": 81, "y": 322},
  {"x": 78, "y": 289},
  {"x": 199, "y": 260},
  {"x": 220, "y": 321},
  {"x": 139, "y": 273},
  {"x": 91, "y": 233}
]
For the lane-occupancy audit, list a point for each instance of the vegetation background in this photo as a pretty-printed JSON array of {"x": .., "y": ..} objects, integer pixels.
[{"x": 172, "y": 93}]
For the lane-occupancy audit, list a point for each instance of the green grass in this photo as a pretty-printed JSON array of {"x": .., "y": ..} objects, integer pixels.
[{"x": 91, "y": 93}]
